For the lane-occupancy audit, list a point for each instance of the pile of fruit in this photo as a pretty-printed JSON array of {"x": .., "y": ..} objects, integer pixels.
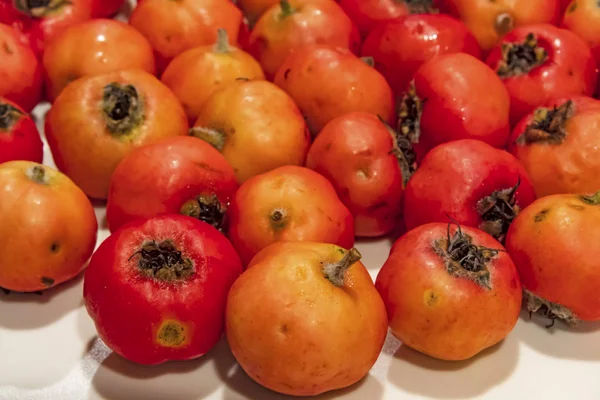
[{"x": 242, "y": 148}]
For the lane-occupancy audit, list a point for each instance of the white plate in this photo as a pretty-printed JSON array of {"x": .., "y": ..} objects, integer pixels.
[{"x": 49, "y": 351}]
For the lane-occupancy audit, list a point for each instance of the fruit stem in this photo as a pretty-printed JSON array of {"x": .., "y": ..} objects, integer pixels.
[
  {"x": 504, "y": 24},
  {"x": 593, "y": 200},
  {"x": 286, "y": 9},
  {"x": 370, "y": 61},
  {"x": 213, "y": 137},
  {"x": 8, "y": 116},
  {"x": 222, "y": 45},
  {"x": 335, "y": 271},
  {"x": 37, "y": 174}
]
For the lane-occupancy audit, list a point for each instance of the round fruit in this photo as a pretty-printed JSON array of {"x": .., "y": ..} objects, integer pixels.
[
  {"x": 97, "y": 120},
  {"x": 19, "y": 137},
  {"x": 197, "y": 73},
  {"x": 48, "y": 229},
  {"x": 168, "y": 277},
  {"x": 294, "y": 23},
  {"x": 470, "y": 182},
  {"x": 554, "y": 244},
  {"x": 491, "y": 20},
  {"x": 559, "y": 146},
  {"x": 96, "y": 47},
  {"x": 173, "y": 27},
  {"x": 106, "y": 8},
  {"x": 256, "y": 126},
  {"x": 453, "y": 97},
  {"x": 541, "y": 62},
  {"x": 289, "y": 203},
  {"x": 360, "y": 156},
  {"x": 253, "y": 9},
  {"x": 401, "y": 46},
  {"x": 175, "y": 175},
  {"x": 450, "y": 292},
  {"x": 327, "y": 82},
  {"x": 20, "y": 71},
  {"x": 305, "y": 319}
]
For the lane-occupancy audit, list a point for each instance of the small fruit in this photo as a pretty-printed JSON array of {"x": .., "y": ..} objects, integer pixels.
[
  {"x": 48, "y": 229},
  {"x": 175, "y": 175},
  {"x": 559, "y": 146},
  {"x": 289, "y": 203},
  {"x": 361, "y": 157},
  {"x": 98, "y": 120},
  {"x": 168, "y": 277},
  {"x": 554, "y": 244},
  {"x": 450, "y": 292},
  {"x": 96, "y": 47},
  {"x": 19, "y": 137},
  {"x": 256, "y": 126},
  {"x": 538, "y": 63},
  {"x": 20, "y": 71},
  {"x": 305, "y": 319},
  {"x": 196, "y": 74},
  {"x": 327, "y": 82}
]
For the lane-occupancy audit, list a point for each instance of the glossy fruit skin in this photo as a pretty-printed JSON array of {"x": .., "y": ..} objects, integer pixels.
[
  {"x": 454, "y": 177},
  {"x": 401, "y": 46},
  {"x": 106, "y": 8},
  {"x": 441, "y": 315},
  {"x": 173, "y": 27},
  {"x": 37, "y": 31},
  {"x": 289, "y": 203},
  {"x": 584, "y": 21},
  {"x": 253, "y": 9},
  {"x": 19, "y": 137},
  {"x": 464, "y": 100},
  {"x": 196, "y": 74},
  {"x": 564, "y": 5},
  {"x": 491, "y": 20},
  {"x": 160, "y": 178},
  {"x": 553, "y": 245},
  {"x": 20, "y": 71},
  {"x": 48, "y": 229},
  {"x": 368, "y": 14},
  {"x": 194, "y": 306},
  {"x": 95, "y": 47},
  {"x": 277, "y": 34},
  {"x": 291, "y": 329},
  {"x": 571, "y": 166},
  {"x": 256, "y": 126},
  {"x": 569, "y": 70},
  {"x": 327, "y": 82},
  {"x": 77, "y": 132},
  {"x": 357, "y": 153}
]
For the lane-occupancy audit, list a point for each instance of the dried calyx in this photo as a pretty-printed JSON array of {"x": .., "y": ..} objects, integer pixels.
[
  {"x": 504, "y": 23},
  {"x": 40, "y": 8},
  {"x": 521, "y": 58},
  {"x": 409, "y": 115},
  {"x": 335, "y": 271},
  {"x": 163, "y": 261},
  {"x": 206, "y": 208},
  {"x": 8, "y": 116},
  {"x": 498, "y": 211},
  {"x": 548, "y": 125},
  {"x": 404, "y": 152},
  {"x": 122, "y": 108},
  {"x": 593, "y": 200},
  {"x": 214, "y": 137},
  {"x": 550, "y": 310},
  {"x": 420, "y": 6},
  {"x": 37, "y": 174},
  {"x": 464, "y": 259}
]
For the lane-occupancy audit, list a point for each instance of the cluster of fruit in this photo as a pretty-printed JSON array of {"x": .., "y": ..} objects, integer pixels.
[{"x": 275, "y": 134}]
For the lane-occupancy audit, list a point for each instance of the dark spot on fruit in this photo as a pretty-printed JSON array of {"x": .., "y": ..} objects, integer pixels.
[
  {"x": 171, "y": 334},
  {"x": 7, "y": 48},
  {"x": 54, "y": 247},
  {"x": 284, "y": 328},
  {"x": 539, "y": 217},
  {"x": 286, "y": 73},
  {"x": 576, "y": 207},
  {"x": 419, "y": 29},
  {"x": 47, "y": 281},
  {"x": 574, "y": 6},
  {"x": 432, "y": 298},
  {"x": 168, "y": 38},
  {"x": 242, "y": 79},
  {"x": 309, "y": 69},
  {"x": 378, "y": 206},
  {"x": 328, "y": 146},
  {"x": 570, "y": 72}
]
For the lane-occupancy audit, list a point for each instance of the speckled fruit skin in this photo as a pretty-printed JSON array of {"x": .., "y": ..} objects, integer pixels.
[
  {"x": 440, "y": 314},
  {"x": 296, "y": 333}
]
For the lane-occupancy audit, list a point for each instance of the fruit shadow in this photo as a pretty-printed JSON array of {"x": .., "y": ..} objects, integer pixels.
[
  {"x": 419, "y": 374},
  {"x": 117, "y": 378},
  {"x": 238, "y": 385},
  {"x": 21, "y": 311},
  {"x": 560, "y": 340}
]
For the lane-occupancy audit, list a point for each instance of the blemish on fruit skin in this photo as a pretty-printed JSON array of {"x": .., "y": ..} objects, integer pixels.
[
  {"x": 48, "y": 282},
  {"x": 286, "y": 73},
  {"x": 7, "y": 48},
  {"x": 171, "y": 334},
  {"x": 539, "y": 217},
  {"x": 576, "y": 207},
  {"x": 430, "y": 298}
]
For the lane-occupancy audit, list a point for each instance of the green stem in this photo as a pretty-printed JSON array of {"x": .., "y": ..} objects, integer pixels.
[
  {"x": 222, "y": 44},
  {"x": 286, "y": 9},
  {"x": 592, "y": 200}
]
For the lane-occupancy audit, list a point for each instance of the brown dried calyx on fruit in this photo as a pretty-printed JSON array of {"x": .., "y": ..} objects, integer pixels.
[
  {"x": 548, "y": 125},
  {"x": 40, "y": 8},
  {"x": 122, "y": 108},
  {"x": 404, "y": 152},
  {"x": 521, "y": 58},
  {"x": 464, "y": 259},
  {"x": 9, "y": 115},
  {"x": 552, "y": 311},
  {"x": 206, "y": 208},
  {"x": 421, "y": 6},
  {"x": 162, "y": 261},
  {"x": 498, "y": 210}
]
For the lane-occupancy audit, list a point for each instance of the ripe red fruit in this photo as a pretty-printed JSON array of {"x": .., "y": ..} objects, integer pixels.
[
  {"x": 540, "y": 62},
  {"x": 20, "y": 71},
  {"x": 156, "y": 289},
  {"x": 454, "y": 96},
  {"x": 401, "y": 46},
  {"x": 106, "y": 8},
  {"x": 19, "y": 137},
  {"x": 472, "y": 183},
  {"x": 450, "y": 292}
]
